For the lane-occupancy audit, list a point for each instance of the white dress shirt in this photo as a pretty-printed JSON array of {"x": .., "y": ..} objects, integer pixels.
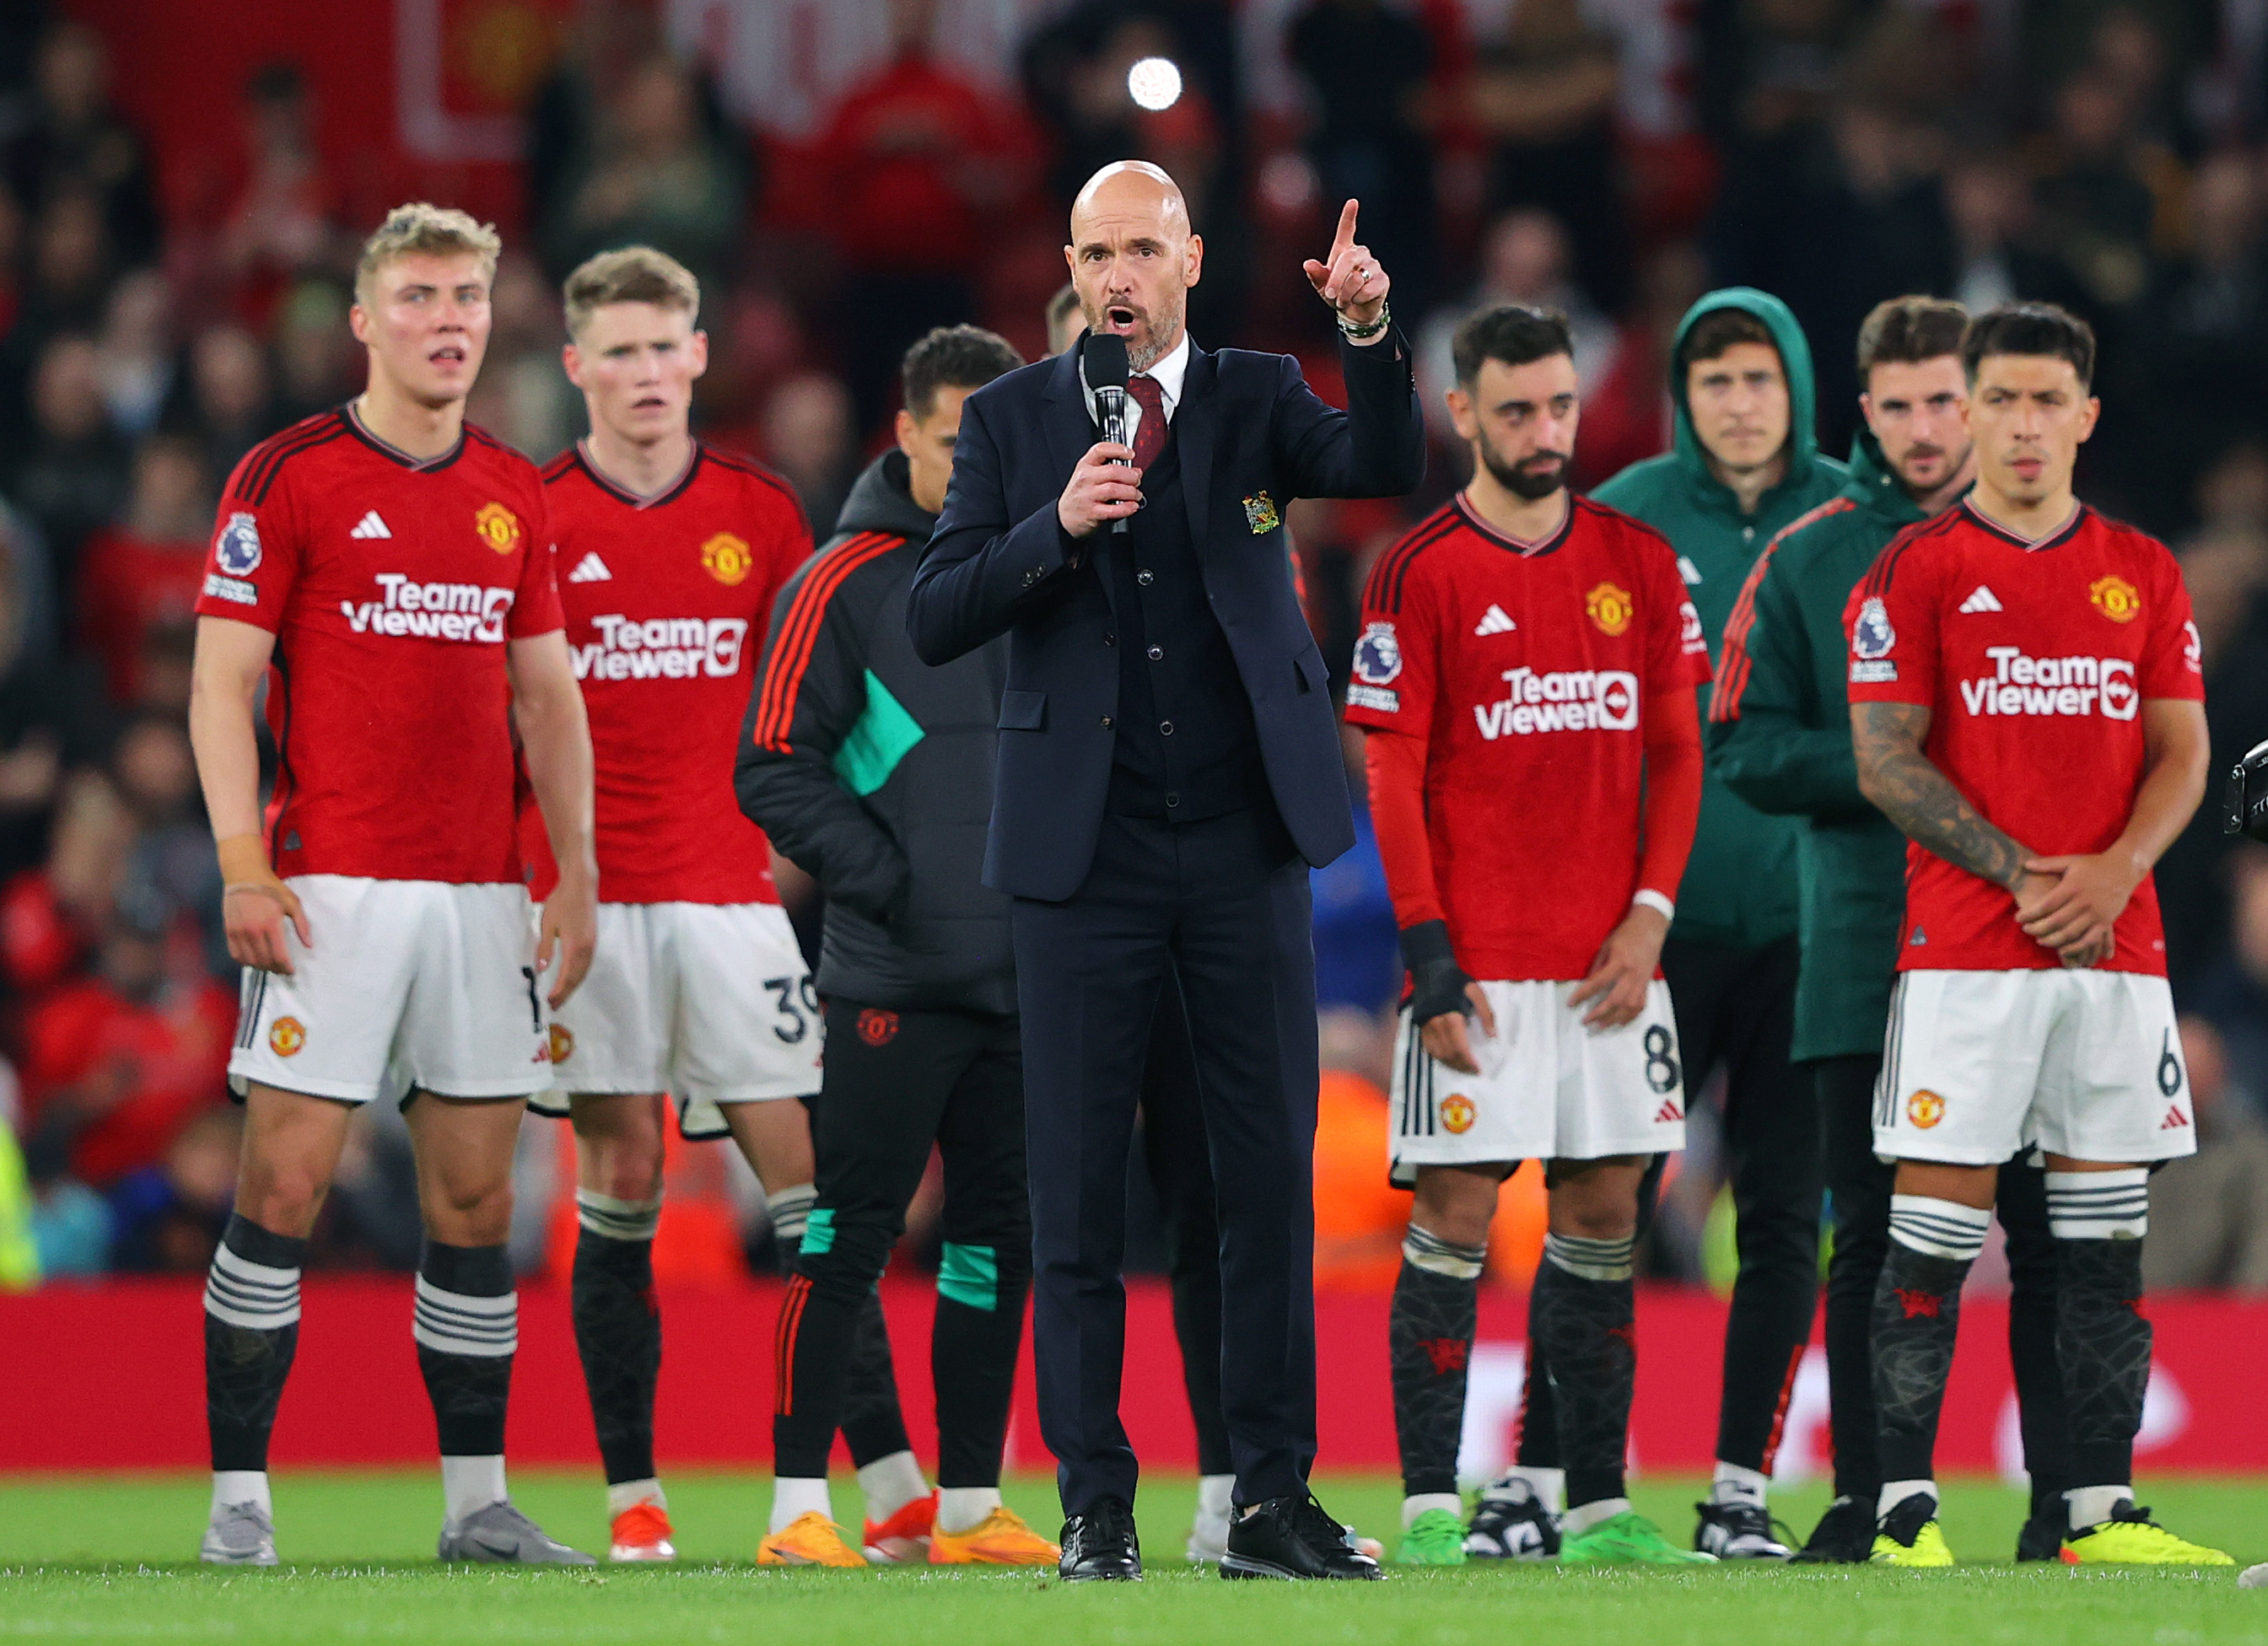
[{"x": 1167, "y": 373}]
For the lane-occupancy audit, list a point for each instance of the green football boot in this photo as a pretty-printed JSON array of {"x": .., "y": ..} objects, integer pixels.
[
  {"x": 1436, "y": 1537},
  {"x": 1626, "y": 1539}
]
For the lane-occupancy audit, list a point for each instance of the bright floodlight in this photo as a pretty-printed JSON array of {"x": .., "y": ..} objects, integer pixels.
[{"x": 1154, "y": 83}]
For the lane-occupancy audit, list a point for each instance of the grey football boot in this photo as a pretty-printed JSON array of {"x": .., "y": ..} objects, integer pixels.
[
  {"x": 501, "y": 1535},
  {"x": 240, "y": 1534}
]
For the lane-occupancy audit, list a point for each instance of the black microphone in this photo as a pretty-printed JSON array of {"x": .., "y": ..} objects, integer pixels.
[{"x": 1106, "y": 374}]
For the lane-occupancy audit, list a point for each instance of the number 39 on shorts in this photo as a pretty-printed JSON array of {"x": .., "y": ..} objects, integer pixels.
[{"x": 795, "y": 1000}]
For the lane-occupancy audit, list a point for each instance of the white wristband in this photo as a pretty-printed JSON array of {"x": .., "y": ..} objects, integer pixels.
[{"x": 1647, "y": 896}]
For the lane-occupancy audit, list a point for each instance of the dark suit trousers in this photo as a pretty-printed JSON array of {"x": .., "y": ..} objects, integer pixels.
[
  {"x": 1181, "y": 1173},
  {"x": 1224, "y": 903}
]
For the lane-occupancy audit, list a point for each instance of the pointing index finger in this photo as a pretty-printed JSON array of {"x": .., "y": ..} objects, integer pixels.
[{"x": 1344, "y": 237}]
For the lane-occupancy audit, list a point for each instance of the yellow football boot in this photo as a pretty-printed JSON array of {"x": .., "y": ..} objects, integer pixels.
[
  {"x": 1909, "y": 1535},
  {"x": 2131, "y": 1538},
  {"x": 1001, "y": 1539},
  {"x": 809, "y": 1539}
]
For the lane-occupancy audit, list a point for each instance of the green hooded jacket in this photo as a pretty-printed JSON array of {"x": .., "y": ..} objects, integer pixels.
[
  {"x": 1740, "y": 885},
  {"x": 1779, "y": 737}
]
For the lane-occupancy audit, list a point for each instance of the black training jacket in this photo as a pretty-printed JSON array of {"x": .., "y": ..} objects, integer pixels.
[{"x": 872, "y": 771}]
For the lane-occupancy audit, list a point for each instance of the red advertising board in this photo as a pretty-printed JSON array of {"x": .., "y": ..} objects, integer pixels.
[{"x": 108, "y": 1376}]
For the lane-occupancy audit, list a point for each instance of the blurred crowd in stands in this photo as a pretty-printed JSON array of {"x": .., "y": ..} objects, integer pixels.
[{"x": 1611, "y": 158}]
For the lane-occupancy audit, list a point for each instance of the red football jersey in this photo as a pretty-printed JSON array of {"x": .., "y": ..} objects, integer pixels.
[
  {"x": 2034, "y": 660},
  {"x": 666, "y": 599},
  {"x": 1527, "y": 669},
  {"x": 391, "y": 585}
]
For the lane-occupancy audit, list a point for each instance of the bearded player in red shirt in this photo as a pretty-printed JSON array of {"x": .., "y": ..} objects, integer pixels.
[
  {"x": 1526, "y": 672},
  {"x": 671, "y": 553},
  {"x": 386, "y": 569},
  {"x": 2026, "y": 704}
]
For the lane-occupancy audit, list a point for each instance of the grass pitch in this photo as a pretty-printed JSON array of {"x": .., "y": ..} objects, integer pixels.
[{"x": 110, "y": 1559}]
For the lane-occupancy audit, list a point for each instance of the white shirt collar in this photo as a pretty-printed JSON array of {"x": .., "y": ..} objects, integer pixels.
[{"x": 1168, "y": 373}]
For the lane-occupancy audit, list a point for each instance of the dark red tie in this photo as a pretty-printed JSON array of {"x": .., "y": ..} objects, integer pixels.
[{"x": 1150, "y": 438}]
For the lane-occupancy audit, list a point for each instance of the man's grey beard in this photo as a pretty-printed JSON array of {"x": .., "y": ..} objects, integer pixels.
[
  {"x": 1162, "y": 340},
  {"x": 1533, "y": 487}
]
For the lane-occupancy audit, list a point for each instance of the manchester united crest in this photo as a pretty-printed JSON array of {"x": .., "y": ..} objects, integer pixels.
[
  {"x": 1610, "y": 609},
  {"x": 497, "y": 526},
  {"x": 286, "y": 1036},
  {"x": 2115, "y": 598},
  {"x": 563, "y": 1043},
  {"x": 1925, "y": 1109},
  {"x": 877, "y": 1027},
  {"x": 1458, "y": 1113},
  {"x": 726, "y": 558}
]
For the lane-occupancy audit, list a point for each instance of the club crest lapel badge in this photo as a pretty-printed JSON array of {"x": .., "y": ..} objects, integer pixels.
[{"x": 1260, "y": 513}]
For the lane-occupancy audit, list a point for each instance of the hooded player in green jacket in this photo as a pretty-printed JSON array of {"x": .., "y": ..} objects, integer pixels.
[
  {"x": 1779, "y": 737},
  {"x": 1746, "y": 463}
]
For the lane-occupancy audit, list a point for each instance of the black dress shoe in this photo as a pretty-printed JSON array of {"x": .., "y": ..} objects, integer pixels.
[
  {"x": 1100, "y": 1546},
  {"x": 1293, "y": 1537}
]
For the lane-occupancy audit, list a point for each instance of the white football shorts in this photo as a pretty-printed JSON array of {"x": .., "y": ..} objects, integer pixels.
[
  {"x": 709, "y": 1002},
  {"x": 1549, "y": 1089},
  {"x": 409, "y": 984},
  {"x": 1977, "y": 1065}
]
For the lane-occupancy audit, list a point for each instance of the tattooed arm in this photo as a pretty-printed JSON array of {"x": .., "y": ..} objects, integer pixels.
[{"x": 1921, "y": 800}]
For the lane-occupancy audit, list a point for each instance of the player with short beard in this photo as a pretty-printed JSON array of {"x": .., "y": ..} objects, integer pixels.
[
  {"x": 670, "y": 552},
  {"x": 2026, "y": 705},
  {"x": 1779, "y": 735},
  {"x": 385, "y": 569},
  {"x": 1526, "y": 674}
]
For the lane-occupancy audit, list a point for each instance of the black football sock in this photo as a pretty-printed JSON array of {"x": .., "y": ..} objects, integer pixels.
[
  {"x": 2033, "y": 1289},
  {"x": 1535, "y": 1444},
  {"x": 2098, "y": 1220},
  {"x": 466, "y": 1327},
  {"x": 1917, "y": 1312},
  {"x": 617, "y": 1327},
  {"x": 2103, "y": 1343},
  {"x": 1429, "y": 1337},
  {"x": 1585, "y": 1317},
  {"x": 251, "y": 1332},
  {"x": 980, "y": 1325}
]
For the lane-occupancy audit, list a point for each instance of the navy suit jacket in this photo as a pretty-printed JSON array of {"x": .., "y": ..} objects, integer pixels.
[{"x": 1252, "y": 436}]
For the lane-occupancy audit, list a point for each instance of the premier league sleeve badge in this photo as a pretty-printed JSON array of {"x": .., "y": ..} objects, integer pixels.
[
  {"x": 238, "y": 552},
  {"x": 1872, "y": 641},
  {"x": 1260, "y": 513}
]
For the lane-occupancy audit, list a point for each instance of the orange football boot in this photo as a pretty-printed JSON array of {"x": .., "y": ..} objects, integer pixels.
[
  {"x": 1001, "y": 1539},
  {"x": 809, "y": 1539},
  {"x": 642, "y": 1533}
]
